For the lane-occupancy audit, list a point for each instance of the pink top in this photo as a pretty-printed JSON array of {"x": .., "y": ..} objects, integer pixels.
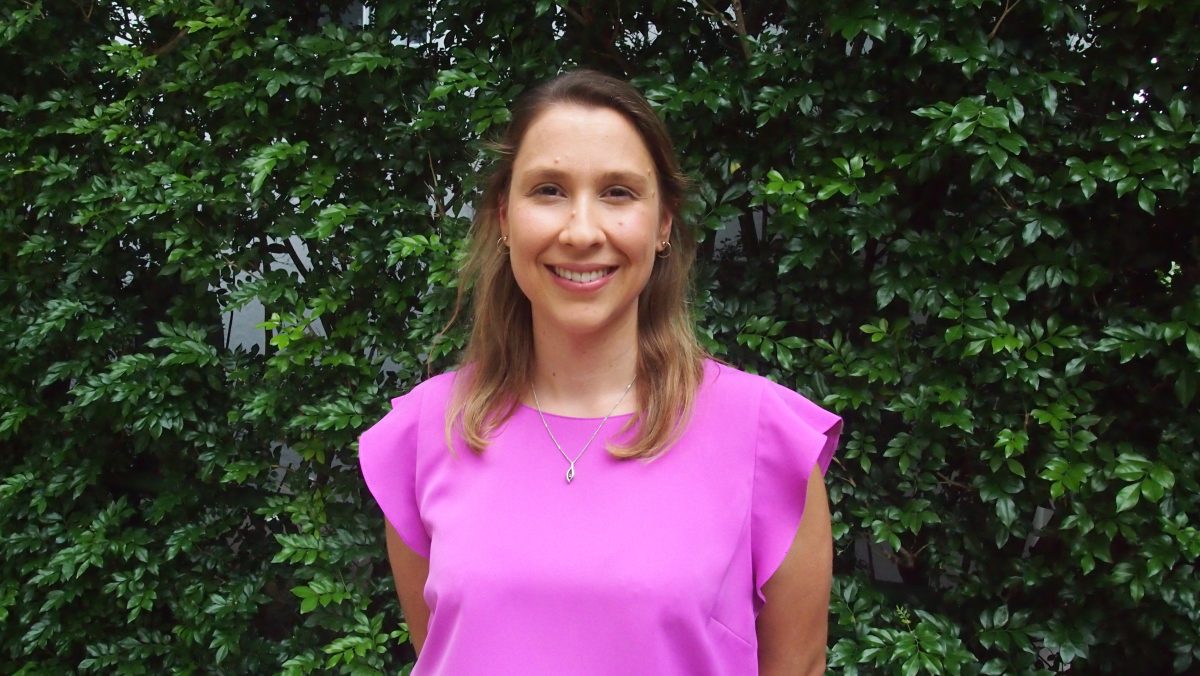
[{"x": 635, "y": 567}]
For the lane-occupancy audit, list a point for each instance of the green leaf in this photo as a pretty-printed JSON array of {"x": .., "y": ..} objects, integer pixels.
[
  {"x": 1011, "y": 143},
  {"x": 1146, "y": 200},
  {"x": 974, "y": 347},
  {"x": 961, "y": 131},
  {"x": 1186, "y": 383},
  {"x": 1029, "y": 234},
  {"x": 1128, "y": 497},
  {"x": 1161, "y": 121},
  {"x": 1006, "y": 509},
  {"x": 1000, "y": 616},
  {"x": 884, "y": 296},
  {"x": 1112, "y": 170},
  {"x": 1173, "y": 330},
  {"x": 994, "y": 118},
  {"x": 995, "y": 666},
  {"x": 1192, "y": 340},
  {"x": 1050, "y": 98},
  {"x": 1151, "y": 490},
  {"x": 829, "y": 190},
  {"x": 1162, "y": 476},
  {"x": 876, "y": 28},
  {"x": 1016, "y": 111},
  {"x": 998, "y": 156},
  {"x": 1177, "y": 111},
  {"x": 1088, "y": 187}
]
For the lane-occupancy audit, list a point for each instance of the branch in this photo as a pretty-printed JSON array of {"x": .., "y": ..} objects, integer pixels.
[
  {"x": 87, "y": 13},
  {"x": 604, "y": 47},
  {"x": 264, "y": 262},
  {"x": 326, "y": 325},
  {"x": 171, "y": 44},
  {"x": 1007, "y": 204},
  {"x": 575, "y": 13},
  {"x": 737, "y": 25},
  {"x": 287, "y": 242},
  {"x": 910, "y": 558},
  {"x": 741, "y": 17},
  {"x": 712, "y": 11},
  {"x": 1008, "y": 7},
  {"x": 842, "y": 465},
  {"x": 439, "y": 206},
  {"x": 947, "y": 481}
]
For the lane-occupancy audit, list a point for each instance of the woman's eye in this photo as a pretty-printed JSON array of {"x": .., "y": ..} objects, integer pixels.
[
  {"x": 619, "y": 193},
  {"x": 546, "y": 191}
]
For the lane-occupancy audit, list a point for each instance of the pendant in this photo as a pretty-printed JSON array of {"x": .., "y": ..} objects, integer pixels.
[{"x": 571, "y": 473}]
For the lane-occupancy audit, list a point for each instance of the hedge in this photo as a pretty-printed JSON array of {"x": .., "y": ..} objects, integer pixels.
[{"x": 966, "y": 225}]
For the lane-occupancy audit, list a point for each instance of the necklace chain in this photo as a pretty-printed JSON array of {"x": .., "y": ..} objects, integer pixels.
[{"x": 570, "y": 462}]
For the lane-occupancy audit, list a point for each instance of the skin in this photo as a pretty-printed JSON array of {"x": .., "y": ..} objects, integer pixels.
[
  {"x": 410, "y": 571},
  {"x": 793, "y": 626},
  {"x": 584, "y": 195}
]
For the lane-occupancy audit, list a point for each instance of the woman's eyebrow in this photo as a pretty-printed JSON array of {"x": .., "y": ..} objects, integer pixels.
[{"x": 557, "y": 174}]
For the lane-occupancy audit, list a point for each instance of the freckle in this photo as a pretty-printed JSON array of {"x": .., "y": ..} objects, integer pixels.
[{"x": 556, "y": 160}]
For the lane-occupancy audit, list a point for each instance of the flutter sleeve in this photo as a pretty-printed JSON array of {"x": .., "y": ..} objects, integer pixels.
[
  {"x": 795, "y": 436},
  {"x": 387, "y": 454}
]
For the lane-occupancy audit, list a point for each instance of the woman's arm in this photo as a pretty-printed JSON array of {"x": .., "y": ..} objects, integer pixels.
[
  {"x": 793, "y": 625},
  {"x": 410, "y": 570}
]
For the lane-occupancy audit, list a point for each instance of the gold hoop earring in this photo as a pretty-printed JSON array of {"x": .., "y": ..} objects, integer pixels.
[
  {"x": 664, "y": 252},
  {"x": 502, "y": 244}
]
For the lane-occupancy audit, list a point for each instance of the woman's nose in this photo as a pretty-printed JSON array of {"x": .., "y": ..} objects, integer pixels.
[{"x": 583, "y": 228}]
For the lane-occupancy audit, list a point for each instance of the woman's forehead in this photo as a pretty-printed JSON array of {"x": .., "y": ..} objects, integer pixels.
[{"x": 566, "y": 137}]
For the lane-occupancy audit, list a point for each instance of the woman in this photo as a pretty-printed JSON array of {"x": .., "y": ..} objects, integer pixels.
[{"x": 611, "y": 501}]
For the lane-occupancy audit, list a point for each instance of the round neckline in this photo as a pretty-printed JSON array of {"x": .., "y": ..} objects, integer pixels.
[
  {"x": 548, "y": 414},
  {"x": 710, "y": 364}
]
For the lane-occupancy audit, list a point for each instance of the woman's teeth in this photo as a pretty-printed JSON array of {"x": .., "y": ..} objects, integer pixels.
[{"x": 582, "y": 277}]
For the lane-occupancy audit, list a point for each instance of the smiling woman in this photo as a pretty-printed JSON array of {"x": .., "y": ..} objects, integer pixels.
[{"x": 515, "y": 549}]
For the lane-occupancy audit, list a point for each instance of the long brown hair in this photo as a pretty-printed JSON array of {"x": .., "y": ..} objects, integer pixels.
[{"x": 497, "y": 366}]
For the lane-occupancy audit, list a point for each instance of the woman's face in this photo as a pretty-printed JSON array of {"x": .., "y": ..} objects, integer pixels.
[{"x": 584, "y": 219}]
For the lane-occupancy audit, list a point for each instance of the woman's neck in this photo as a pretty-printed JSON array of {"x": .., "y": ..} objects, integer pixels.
[{"x": 585, "y": 376}]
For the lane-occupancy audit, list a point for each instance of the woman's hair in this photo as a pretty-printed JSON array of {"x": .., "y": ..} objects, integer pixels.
[{"x": 498, "y": 363}]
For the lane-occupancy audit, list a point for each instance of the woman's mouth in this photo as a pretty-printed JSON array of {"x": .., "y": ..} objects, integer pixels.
[{"x": 582, "y": 277}]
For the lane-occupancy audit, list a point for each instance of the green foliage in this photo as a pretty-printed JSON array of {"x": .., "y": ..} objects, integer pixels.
[{"x": 967, "y": 225}]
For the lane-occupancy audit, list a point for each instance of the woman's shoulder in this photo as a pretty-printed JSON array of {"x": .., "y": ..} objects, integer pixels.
[
  {"x": 408, "y": 420},
  {"x": 433, "y": 390},
  {"x": 728, "y": 387},
  {"x": 726, "y": 380}
]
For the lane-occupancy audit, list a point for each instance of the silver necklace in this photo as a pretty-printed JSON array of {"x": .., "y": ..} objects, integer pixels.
[{"x": 570, "y": 462}]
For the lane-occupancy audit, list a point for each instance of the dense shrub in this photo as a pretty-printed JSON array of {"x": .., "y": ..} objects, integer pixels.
[{"x": 968, "y": 225}]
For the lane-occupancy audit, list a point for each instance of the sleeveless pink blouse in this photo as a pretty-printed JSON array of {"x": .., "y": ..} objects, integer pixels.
[{"x": 635, "y": 567}]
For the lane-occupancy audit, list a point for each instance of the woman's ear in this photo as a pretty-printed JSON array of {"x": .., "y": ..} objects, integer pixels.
[
  {"x": 664, "y": 230},
  {"x": 502, "y": 215}
]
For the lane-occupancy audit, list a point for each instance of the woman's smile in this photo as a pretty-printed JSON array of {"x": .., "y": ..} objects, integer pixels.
[{"x": 583, "y": 279}]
